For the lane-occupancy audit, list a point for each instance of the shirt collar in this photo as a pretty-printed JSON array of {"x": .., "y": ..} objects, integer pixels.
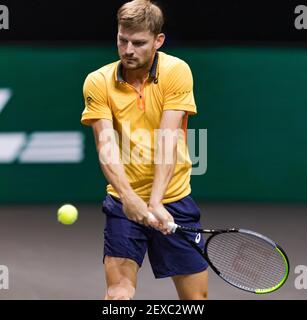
[{"x": 153, "y": 73}]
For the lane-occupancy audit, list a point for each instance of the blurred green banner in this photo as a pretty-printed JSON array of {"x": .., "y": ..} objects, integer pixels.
[{"x": 252, "y": 101}]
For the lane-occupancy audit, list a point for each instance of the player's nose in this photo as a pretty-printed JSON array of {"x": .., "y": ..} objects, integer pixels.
[{"x": 129, "y": 49}]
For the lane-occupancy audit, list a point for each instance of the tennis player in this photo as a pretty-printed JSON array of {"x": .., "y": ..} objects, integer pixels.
[{"x": 134, "y": 106}]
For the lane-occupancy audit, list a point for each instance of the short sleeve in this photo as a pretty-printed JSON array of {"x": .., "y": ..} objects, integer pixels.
[
  {"x": 95, "y": 98},
  {"x": 179, "y": 89}
]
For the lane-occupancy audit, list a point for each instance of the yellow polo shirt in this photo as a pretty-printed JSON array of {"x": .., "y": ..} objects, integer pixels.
[{"x": 136, "y": 115}]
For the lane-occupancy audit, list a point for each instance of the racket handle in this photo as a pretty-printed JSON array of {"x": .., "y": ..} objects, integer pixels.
[{"x": 172, "y": 226}]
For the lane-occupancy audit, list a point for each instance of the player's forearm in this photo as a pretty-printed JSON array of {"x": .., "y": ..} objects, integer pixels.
[
  {"x": 114, "y": 170},
  {"x": 116, "y": 176},
  {"x": 109, "y": 156},
  {"x": 164, "y": 171}
]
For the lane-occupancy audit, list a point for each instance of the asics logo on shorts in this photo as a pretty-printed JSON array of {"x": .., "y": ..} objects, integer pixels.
[{"x": 197, "y": 238}]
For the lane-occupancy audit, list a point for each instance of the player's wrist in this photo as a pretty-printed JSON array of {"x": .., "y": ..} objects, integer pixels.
[
  {"x": 127, "y": 194},
  {"x": 154, "y": 204}
]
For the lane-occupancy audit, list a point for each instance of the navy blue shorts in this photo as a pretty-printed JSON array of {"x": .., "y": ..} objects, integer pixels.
[{"x": 169, "y": 255}]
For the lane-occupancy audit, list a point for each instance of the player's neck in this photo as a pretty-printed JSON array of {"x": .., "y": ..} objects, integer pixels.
[
  {"x": 139, "y": 76},
  {"x": 136, "y": 76}
]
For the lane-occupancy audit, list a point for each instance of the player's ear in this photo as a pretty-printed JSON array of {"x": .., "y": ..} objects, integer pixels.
[{"x": 159, "y": 40}]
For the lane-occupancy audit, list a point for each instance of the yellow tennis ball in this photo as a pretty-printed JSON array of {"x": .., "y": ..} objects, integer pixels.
[{"x": 67, "y": 214}]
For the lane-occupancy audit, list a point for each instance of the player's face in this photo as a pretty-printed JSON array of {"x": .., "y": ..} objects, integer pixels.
[{"x": 136, "y": 49}]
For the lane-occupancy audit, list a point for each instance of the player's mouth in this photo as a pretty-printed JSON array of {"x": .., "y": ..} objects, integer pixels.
[{"x": 130, "y": 59}]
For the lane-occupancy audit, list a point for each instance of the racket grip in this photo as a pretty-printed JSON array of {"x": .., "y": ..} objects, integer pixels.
[{"x": 172, "y": 226}]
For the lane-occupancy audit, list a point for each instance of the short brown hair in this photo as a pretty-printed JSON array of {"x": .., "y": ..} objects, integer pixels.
[{"x": 141, "y": 15}]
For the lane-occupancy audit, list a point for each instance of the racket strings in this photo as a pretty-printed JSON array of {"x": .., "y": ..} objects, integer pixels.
[
  {"x": 248, "y": 264},
  {"x": 249, "y": 270},
  {"x": 257, "y": 263},
  {"x": 250, "y": 277},
  {"x": 246, "y": 260},
  {"x": 246, "y": 275}
]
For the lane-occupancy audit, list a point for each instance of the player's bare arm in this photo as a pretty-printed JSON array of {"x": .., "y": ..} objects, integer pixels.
[
  {"x": 149, "y": 90},
  {"x": 167, "y": 155},
  {"x": 134, "y": 207}
]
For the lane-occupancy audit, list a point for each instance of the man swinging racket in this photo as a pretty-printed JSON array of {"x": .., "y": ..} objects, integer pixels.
[{"x": 130, "y": 105}]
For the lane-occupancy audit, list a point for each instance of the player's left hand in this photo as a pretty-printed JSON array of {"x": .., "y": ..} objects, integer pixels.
[{"x": 163, "y": 216}]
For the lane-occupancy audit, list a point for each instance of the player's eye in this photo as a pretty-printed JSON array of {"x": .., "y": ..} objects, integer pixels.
[
  {"x": 139, "y": 44},
  {"x": 123, "y": 40}
]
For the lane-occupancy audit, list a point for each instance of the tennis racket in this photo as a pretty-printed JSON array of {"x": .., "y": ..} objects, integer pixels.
[{"x": 245, "y": 259}]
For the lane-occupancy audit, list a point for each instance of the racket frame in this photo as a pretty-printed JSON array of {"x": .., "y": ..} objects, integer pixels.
[{"x": 181, "y": 230}]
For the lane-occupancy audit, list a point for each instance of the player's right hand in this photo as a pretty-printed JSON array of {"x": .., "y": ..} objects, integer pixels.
[
  {"x": 136, "y": 209},
  {"x": 162, "y": 216}
]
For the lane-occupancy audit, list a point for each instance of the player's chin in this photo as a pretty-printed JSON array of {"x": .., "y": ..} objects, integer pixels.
[{"x": 131, "y": 65}]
